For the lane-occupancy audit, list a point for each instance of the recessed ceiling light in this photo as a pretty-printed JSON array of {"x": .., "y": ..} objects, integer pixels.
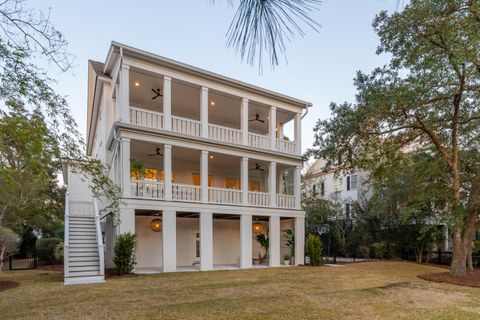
[
  {"x": 211, "y": 157},
  {"x": 212, "y": 103},
  {"x": 137, "y": 84}
]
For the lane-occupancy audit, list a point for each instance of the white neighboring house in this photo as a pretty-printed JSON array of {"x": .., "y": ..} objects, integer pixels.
[
  {"x": 344, "y": 188},
  {"x": 348, "y": 188},
  {"x": 214, "y": 157}
]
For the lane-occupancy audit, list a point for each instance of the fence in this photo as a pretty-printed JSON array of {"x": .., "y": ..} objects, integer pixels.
[{"x": 15, "y": 263}]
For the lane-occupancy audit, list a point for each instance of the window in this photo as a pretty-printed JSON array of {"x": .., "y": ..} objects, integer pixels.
[
  {"x": 232, "y": 183},
  {"x": 352, "y": 182},
  {"x": 338, "y": 184},
  {"x": 196, "y": 179},
  {"x": 322, "y": 188},
  {"x": 314, "y": 189}
]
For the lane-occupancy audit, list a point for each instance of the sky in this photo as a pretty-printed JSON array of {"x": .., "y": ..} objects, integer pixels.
[{"x": 320, "y": 67}]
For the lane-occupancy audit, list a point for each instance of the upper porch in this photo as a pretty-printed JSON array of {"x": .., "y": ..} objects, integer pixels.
[{"x": 162, "y": 102}]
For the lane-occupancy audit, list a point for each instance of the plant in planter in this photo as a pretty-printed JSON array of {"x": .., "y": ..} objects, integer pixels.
[
  {"x": 264, "y": 242},
  {"x": 137, "y": 169},
  {"x": 286, "y": 259}
]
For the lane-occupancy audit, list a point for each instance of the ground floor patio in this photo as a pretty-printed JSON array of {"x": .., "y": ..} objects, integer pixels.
[
  {"x": 370, "y": 290},
  {"x": 169, "y": 240}
]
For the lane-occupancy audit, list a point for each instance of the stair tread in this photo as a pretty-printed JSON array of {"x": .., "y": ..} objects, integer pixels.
[{"x": 83, "y": 274}]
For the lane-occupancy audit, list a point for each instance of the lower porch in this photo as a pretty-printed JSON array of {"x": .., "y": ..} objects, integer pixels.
[{"x": 169, "y": 241}]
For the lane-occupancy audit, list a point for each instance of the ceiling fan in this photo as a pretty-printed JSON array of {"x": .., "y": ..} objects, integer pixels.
[
  {"x": 157, "y": 153},
  {"x": 257, "y": 118},
  {"x": 158, "y": 93},
  {"x": 257, "y": 167}
]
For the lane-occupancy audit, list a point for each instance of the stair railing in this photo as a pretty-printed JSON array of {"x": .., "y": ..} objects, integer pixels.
[
  {"x": 101, "y": 254},
  {"x": 66, "y": 237}
]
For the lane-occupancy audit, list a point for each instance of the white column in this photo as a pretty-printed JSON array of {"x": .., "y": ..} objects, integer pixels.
[
  {"x": 245, "y": 241},
  {"x": 206, "y": 241},
  {"x": 272, "y": 183},
  {"x": 125, "y": 161},
  {"x": 272, "y": 126},
  {"x": 204, "y": 175},
  {"x": 298, "y": 133},
  {"x": 167, "y": 103},
  {"x": 167, "y": 170},
  {"x": 123, "y": 94},
  {"x": 297, "y": 186},
  {"x": 169, "y": 231},
  {"x": 274, "y": 239},
  {"x": 204, "y": 111},
  {"x": 280, "y": 133},
  {"x": 244, "y": 179},
  {"x": 244, "y": 121},
  {"x": 299, "y": 240},
  {"x": 127, "y": 221}
]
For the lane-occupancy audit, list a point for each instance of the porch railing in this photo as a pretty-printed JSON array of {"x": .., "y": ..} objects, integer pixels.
[
  {"x": 285, "y": 201},
  {"x": 258, "y": 141},
  {"x": 285, "y": 146},
  {"x": 259, "y": 199},
  {"x": 146, "y": 118},
  {"x": 147, "y": 189},
  {"x": 80, "y": 208},
  {"x": 224, "y": 134},
  {"x": 185, "y": 192},
  {"x": 222, "y": 195},
  {"x": 186, "y": 126}
]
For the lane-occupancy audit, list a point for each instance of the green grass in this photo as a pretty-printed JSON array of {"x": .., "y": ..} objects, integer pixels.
[{"x": 374, "y": 290}]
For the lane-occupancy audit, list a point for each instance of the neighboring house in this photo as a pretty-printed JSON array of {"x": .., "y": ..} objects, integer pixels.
[
  {"x": 202, "y": 164},
  {"x": 348, "y": 187},
  {"x": 334, "y": 184}
]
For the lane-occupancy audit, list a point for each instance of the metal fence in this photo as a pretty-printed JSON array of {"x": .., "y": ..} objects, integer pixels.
[{"x": 15, "y": 263}]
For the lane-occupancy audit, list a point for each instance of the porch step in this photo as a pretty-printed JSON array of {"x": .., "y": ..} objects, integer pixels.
[
  {"x": 82, "y": 241},
  {"x": 85, "y": 263},
  {"x": 83, "y": 274},
  {"x": 83, "y": 258},
  {"x": 83, "y": 268},
  {"x": 83, "y": 252}
]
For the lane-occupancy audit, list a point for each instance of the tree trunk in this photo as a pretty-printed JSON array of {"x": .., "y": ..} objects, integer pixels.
[
  {"x": 469, "y": 258},
  {"x": 2, "y": 254},
  {"x": 463, "y": 240}
]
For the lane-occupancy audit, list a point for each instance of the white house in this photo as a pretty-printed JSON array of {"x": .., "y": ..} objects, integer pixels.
[
  {"x": 217, "y": 169},
  {"x": 335, "y": 184}
]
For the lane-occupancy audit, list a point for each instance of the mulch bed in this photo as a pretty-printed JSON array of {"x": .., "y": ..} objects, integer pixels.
[
  {"x": 5, "y": 285},
  {"x": 110, "y": 274},
  {"x": 472, "y": 280}
]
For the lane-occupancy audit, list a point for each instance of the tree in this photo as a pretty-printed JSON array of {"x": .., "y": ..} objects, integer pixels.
[
  {"x": 9, "y": 242},
  {"x": 426, "y": 97},
  {"x": 264, "y": 26},
  {"x": 38, "y": 133}
]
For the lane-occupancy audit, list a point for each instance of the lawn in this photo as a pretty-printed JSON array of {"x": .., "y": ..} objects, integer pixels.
[{"x": 373, "y": 290}]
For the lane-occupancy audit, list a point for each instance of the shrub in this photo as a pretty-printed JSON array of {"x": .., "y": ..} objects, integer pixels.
[
  {"x": 58, "y": 253},
  {"x": 46, "y": 249},
  {"x": 9, "y": 242},
  {"x": 379, "y": 249},
  {"x": 124, "y": 254},
  {"x": 314, "y": 249},
  {"x": 364, "y": 251}
]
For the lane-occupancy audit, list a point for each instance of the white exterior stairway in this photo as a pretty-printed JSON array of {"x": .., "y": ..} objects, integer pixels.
[{"x": 83, "y": 246}]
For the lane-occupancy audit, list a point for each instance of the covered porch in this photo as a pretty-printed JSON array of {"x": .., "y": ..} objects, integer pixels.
[{"x": 169, "y": 241}]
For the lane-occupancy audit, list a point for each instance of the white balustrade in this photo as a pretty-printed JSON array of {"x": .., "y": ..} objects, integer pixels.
[
  {"x": 147, "y": 189},
  {"x": 285, "y": 146},
  {"x": 146, "y": 118},
  {"x": 81, "y": 208},
  {"x": 259, "y": 199},
  {"x": 186, "y": 126},
  {"x": 185, "y": 192},
  {"x": 224, "y": 134},
  {"x": 222, "y": 195},
  {"x": 258, "y": 141},
  {"x": 285, "y": 201}
]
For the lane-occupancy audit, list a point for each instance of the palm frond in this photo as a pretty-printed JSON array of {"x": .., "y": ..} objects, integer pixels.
[{"x": 264, "y": 26}]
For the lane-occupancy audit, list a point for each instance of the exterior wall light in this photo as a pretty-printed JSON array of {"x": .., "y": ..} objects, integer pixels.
[
  {"x": 257, "y": 227},
  {"x": 156, "y": 225}
]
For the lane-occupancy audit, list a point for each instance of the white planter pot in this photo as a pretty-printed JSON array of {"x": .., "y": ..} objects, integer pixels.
[{"x": 286, "y": 262}]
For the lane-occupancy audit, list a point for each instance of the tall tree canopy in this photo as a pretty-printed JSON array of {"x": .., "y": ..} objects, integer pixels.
[
  {"x": 428, "y": 96},
  {"x": 37, "y": 131}
]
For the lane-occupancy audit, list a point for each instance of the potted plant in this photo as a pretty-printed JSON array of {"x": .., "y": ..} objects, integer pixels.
[
  {"x": 263, "y": 240},
  {"x": 290, "y": 242},
  {"x": 137, "y": 169},
  {"x": 286, "y": 259}
]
